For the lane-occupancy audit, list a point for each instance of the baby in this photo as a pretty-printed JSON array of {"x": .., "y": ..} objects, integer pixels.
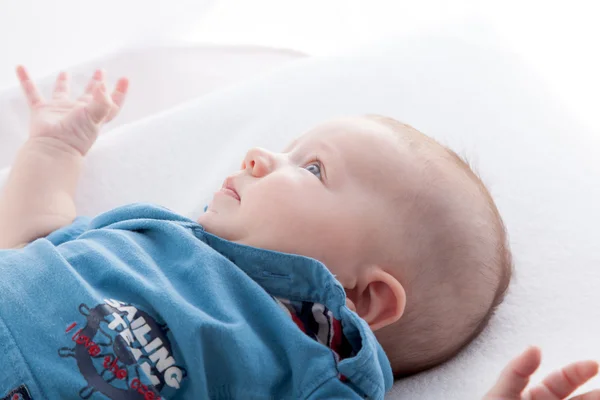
[
  {"x": 362, "y": 252},
  {"x": 404, "y": 225}
]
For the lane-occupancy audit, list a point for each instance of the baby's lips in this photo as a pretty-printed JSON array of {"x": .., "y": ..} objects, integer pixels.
[{"x": 229, "y": 184}]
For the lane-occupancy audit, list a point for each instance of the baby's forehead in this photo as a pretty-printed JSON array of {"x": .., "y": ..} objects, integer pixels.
[
  {"x": 347, "y": 136},
  {"x": 370, "y": 156}
]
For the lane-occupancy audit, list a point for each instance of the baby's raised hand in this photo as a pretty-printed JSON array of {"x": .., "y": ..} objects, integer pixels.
[
  {"x": 514, "y": 379},
  {"x": 70, "y": 122}
]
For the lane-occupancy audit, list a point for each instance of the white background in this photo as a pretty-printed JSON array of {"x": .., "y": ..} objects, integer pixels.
[
  {"x": 559, "y": 39},
  {"x": 559, "y": 42}
]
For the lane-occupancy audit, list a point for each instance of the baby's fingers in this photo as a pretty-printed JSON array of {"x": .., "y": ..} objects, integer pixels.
[
  {"x": 118, "y": 97},
  {"x": 593, "y": 395},
  {"x": 559, "y": 384},
  {"x": 33, "y": 96},
  {"x": 99, "y": 108},
  {"x": 96, "y": 79},
  {"x": 61, "y": 88},
  {"x": 515, "y": 376}
]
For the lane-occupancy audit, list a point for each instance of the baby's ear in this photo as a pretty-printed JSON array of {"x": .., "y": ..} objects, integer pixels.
[{"x": 378, "y": 298}]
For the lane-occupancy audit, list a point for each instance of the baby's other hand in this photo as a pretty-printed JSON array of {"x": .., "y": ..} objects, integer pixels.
[
  {"x": 514, "y": 379},
  {"x": 65, "y": 121}
]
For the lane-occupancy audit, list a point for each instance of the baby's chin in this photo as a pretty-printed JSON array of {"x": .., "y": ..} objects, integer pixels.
[
  {"x": 209, "y": 220},
  {"x": 206, "y": 219}
]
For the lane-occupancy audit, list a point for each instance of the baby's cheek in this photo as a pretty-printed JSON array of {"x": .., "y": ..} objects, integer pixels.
[{"x": 271, "y": 199}]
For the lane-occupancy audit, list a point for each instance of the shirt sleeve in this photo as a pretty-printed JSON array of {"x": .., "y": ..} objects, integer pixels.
[
  {"x": 69, "y": 232},
  {"x": 334, "y": 389}
]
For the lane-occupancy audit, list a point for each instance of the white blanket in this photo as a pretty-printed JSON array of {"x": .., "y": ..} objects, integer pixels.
[{"x": 539, "y": 164}]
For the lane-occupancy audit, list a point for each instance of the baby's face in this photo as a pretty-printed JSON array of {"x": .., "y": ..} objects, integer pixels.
[{"x": 321, "y": 197}]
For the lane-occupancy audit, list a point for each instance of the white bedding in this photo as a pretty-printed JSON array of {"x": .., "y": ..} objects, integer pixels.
[{"x": 539, "y": 164}]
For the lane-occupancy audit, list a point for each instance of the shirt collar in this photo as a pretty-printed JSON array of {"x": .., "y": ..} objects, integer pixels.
[{"x": 301, "y": 278}]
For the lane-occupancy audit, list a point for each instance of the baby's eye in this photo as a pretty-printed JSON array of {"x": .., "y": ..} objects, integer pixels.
[{"x": 314, "y": 168}]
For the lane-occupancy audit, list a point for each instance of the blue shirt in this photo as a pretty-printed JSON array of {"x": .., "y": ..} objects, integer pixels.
[{"x": 142, "y": 303}]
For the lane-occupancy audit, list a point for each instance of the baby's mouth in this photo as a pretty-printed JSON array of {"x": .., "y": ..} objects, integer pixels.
[
  {"x": 229, "y": 189},
  {"x": 231, "y": 193}
]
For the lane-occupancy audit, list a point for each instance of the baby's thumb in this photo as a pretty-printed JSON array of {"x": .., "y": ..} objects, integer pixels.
[{"x": 100, "y": 105}]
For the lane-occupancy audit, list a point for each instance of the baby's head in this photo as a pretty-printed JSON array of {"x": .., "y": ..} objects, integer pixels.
[{"x": 402, "y": 222}]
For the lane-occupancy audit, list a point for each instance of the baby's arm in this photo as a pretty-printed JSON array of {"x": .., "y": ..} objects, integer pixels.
[{"x": 38, "y": 196}]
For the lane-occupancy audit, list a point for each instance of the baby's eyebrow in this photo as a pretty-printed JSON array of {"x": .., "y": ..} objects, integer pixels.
[
  {"x": 320, "y": 148},
  {"x": 324, "y": 148}
]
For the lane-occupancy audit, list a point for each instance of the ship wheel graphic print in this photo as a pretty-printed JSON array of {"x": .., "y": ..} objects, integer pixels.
[{"x": 122, "y": 353}]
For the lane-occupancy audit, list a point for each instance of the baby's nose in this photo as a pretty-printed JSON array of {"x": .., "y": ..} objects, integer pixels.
[{"x": 258, "y": 161}]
